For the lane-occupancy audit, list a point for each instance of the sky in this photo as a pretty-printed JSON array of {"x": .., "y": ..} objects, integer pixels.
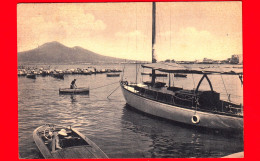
[{"x": 185, "y": 31}]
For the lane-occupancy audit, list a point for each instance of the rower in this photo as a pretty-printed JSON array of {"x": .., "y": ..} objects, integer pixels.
[{"x": 73, "y": 84}]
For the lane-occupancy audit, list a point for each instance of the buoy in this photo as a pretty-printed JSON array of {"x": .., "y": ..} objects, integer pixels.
[{"x": 195, "y": 119}]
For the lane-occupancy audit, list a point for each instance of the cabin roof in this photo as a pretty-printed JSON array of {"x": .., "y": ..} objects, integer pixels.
[{"x": 177, "y": 68}]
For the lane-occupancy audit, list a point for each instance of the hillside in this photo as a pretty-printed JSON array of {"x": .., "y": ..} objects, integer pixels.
[{"x": 55, "y": 52}]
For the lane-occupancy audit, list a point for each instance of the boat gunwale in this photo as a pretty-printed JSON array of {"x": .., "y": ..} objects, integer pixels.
[
  {"x": 47, "y": 154},
  {"x": 80, "y": 88}
]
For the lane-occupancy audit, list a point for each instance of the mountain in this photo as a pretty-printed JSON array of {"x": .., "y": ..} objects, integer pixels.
[{"x": 55, "y": 52}]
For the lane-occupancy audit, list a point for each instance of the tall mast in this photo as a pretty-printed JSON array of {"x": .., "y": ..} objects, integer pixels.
[{"x": 153, "y": 40}]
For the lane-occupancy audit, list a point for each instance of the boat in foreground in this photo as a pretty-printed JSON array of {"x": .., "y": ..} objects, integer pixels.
[
  {"x": 74, "y": 145},
  {"x": 74, "y": 91}
]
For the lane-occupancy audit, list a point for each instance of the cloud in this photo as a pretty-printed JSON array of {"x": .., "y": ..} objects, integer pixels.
[
  {"x": 189, "y": 43},
  {"x": 46, "y": 22}
]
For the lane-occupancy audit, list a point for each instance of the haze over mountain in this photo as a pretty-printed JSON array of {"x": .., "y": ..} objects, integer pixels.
[{"x": 55, "y": 52}]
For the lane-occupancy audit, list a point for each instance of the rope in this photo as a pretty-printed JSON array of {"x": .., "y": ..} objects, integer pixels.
[
  {"x": 225, "y": 89},
  {"x": 113, "y": 91},
  {"x": 103, "y": 86},
  {"x": 194, "y": 92}
]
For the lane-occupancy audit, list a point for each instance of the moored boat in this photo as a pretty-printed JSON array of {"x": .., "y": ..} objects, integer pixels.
[
  {"x": 191, "y": 107},
  {"x": 58, "y": 75},
  {"x": 73, "y": 145},
  {"x": 203, "y": 108},
  {"x": 81, "y": 90},
  {"x": 113, "y": 74},
  {"x": 32, "y": 76}
]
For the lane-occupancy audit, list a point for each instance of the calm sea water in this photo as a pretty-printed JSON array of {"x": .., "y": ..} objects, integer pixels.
[{"x": 118, "y": 130}]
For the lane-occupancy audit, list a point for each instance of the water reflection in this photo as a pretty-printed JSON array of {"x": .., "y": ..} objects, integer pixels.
[
  {"x": 168, "y": 140},
  {"x": 118, "y": 131},
  {"x": 73, "y": 98}
]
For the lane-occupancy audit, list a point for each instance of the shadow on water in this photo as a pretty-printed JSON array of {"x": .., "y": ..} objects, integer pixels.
[
  {"x": 173, "y": 140},
  {"x": 218, "y": 132},
  {"x": 73, "y": 98}
]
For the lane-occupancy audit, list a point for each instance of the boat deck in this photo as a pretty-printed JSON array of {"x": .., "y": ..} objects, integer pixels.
[
  {"x": 208, "y": 100},
  {"x": 74, "y": 152}
]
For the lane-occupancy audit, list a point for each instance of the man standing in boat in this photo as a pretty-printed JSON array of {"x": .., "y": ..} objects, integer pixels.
[{"x": 73, "y": 84}]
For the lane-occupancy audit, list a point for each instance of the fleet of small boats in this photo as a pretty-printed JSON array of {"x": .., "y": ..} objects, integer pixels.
[
  {"x": 81, "y": 90},
  {"x": 58, "y": 73},
  {"x": 73, "y": 144}
]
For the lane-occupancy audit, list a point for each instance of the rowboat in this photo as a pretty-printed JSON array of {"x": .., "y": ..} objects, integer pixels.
[
  {"x": 58, "y": 75},
  {"x": 32, "y": 76},
  {"x": 74, "y": 91},
  {"x": 113, "y": 74},
  {"x": 73, "y": 145}
]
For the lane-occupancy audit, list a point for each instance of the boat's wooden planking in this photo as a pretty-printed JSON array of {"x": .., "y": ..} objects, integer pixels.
[
  {"x": 75, "y": 152},
  {"x": 94, "y": 148}
]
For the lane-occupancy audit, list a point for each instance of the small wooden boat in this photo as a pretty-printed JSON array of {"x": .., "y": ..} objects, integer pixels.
[
  {"x": 58, "y": 75},
  {"x": 32, "y": 76},
  {"x": 180, "y": 75},
  {"x": 73, "y": 145},
  {"x": 113, "y": 74},
  {"x": 74, "y": 91}
]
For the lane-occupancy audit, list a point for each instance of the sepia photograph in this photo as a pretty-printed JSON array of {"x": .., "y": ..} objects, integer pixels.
[{"x": 130, "y": 80}]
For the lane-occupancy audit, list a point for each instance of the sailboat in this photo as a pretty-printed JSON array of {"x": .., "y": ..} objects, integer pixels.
[{"x": 191, "y": 107}]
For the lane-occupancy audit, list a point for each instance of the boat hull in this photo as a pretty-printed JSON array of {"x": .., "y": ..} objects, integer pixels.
[
  {"x": 31, "y": 76},
  {"x": 180, "y": 114},
  {"x": 113, "y": 75},
  {"x": 74, "y": 91}
]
